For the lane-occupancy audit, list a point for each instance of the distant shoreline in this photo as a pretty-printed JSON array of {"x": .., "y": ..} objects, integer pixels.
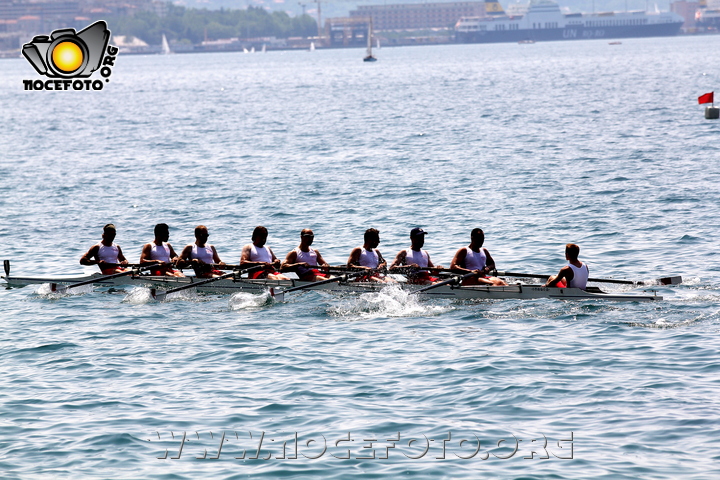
[{"x": 411, "y": 41}]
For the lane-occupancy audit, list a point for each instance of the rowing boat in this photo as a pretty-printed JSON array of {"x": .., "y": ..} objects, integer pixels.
[{"x": 257, "y": 286}]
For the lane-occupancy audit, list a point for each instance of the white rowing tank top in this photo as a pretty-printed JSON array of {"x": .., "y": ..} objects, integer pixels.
[
  {"x": 261, "y": 254},
  {"x": 420, "y": 258},
  {"x": 580, "y": 277},
  {"x": 160, "y": 252},
  {"x": 204, "y": 254},
  {"x": 308, "y": 257},
  {"x": 475, "y": 260},
  {"x": 369, "y": 259},
  {"x": 108, "y": 254}
]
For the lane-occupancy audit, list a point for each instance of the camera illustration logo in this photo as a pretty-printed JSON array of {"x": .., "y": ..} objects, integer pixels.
[{"x": 67, "y": 55}]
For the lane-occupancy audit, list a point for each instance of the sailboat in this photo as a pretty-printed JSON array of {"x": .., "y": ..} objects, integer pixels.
[
  {"x": 312, "y": 46},
  {"x": 369, "y": 57},
  {"x": 263, "y": 49},
  {"x": 165, "y": 46}
]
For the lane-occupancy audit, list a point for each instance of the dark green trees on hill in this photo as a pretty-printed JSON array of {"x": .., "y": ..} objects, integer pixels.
[{"x": 195, "y": 25}]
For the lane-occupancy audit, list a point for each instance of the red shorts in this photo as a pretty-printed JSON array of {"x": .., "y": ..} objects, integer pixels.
[
  {"x": 468, "y": 281},
  {"x": 421, "y": 278},
  {"x": 113, "y": 270},
  {"x": 209, "y": 273},
  {"x": 162, "y": 271},
  {"x": 367, "y": 278},
  {"x": 314, "y": 272},
  {"x": 263, "y": 274}
]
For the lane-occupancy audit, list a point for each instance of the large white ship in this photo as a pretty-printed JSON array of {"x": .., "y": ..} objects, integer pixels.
[{"x": 543, "y": 21}]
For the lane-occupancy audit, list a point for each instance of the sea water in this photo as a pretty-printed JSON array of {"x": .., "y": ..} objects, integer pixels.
[{"x": 539, "y": 145}]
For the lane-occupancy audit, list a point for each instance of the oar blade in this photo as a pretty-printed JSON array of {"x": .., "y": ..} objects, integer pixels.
[
  {"x": 675, "y": 280},
  {"x": 158, "y": 296},
  {"x": 277, "y": 296},
  {"x": 59, "y": 289}
]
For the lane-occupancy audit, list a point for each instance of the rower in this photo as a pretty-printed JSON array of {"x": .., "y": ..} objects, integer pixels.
[
  {"x": 106, "y": 254},
  {"x": 369, "y": 257},
  {"x": 475, "y": 258},
  {"x": 304, "y": 259},
  {"x": 159, "y": 251},
  {"x": 200, "y": 256},
  {"x": 416, "y": 257},
  {"x": 575, "y": 274},
  {"x": 256, "y": 253}
]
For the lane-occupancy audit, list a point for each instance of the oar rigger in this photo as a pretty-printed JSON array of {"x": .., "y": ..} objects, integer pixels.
[
  {"x": 55, "y": 288},
  {"x": 161, "y": 295},
  {"x": 280, "y": 295}
]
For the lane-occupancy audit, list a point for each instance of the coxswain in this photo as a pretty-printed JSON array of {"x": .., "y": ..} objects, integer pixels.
[
  {"x": 200, "y": 256},
  {"x": 256, "y": 253},
  {"x": 416, "y": 258},
  {"x": 106, "y": 254},
  {"x": 575, "y": 274},
  {"x": 368, "y": 257},
  {"x": 305, "y": 260},
  {"x": 475, "y": 259},
  {"x": 159, "y": 251}
]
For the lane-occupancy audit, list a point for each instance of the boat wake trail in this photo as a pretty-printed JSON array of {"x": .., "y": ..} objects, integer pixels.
[
  {"x": 391, "y": 301},
  {"x": 249, "y": 301},
  {"x": 45, "y": 290}
]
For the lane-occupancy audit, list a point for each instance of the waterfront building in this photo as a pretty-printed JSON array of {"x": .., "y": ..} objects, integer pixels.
[
  {"x": 418, "y": 16},
  {"x": 687, "y": 10}
]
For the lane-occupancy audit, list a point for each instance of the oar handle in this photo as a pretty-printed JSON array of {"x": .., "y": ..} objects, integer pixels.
[{"x": 243, "y": 267}]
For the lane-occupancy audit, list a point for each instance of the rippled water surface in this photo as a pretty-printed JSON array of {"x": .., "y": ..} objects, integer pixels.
[{"x": 539, "y": 145}]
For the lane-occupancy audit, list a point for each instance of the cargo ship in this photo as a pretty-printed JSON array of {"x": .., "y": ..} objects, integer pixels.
[{"x": 544, "y": 21}]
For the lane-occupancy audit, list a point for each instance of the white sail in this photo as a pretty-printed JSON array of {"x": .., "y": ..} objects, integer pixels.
[
  {"x": 165, "y": 46},
  {"x": 369, "y": 56},
  {"x": 369, "y": 40},
  {"x": 263, "y": 49},
  {"x": 312, "y": 46}
]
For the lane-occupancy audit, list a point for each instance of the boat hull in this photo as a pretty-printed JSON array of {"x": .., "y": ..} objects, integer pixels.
[{"x": 226, "y": 286}]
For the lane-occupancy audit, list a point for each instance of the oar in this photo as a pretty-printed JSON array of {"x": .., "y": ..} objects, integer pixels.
[
  {"x": 160, "y": 296},
  {"x": 6, "y": 265},
  {"x": 54, "y": 287},
  {"x": 280, "y": 296},
  {"x": 675, "y": 280},
  {"x": 339, "y": 268},
  {"x": 456, "y": 279},
  {"x": 407, "y": 268}
]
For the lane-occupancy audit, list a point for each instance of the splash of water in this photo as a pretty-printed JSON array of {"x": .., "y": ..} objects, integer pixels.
[
  {"x": 45, "y": 290},
  {"x": 142, "y": 295},
  {"x": 138, "y": 296},
  {"x": 245, "y": 301},
  {"x": 391, "y": 301}
]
